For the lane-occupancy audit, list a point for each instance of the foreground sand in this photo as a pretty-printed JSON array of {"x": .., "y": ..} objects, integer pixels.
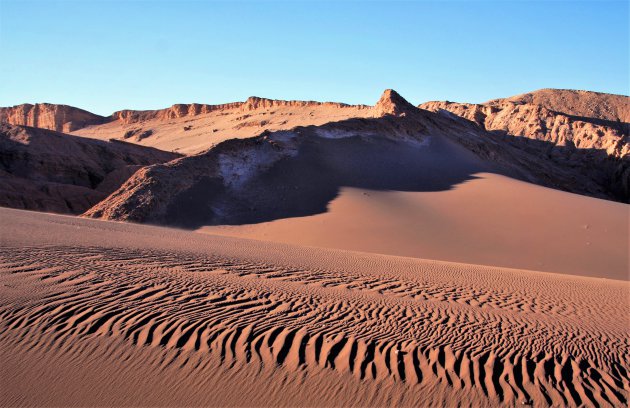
[{"x": 95, "y": 312}]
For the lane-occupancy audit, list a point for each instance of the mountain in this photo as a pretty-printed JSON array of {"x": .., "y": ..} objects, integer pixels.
[
  {"x": 61, "y": 118},
  {"x": 299, "y": 171},
  {"x": 575, "y": 141},
  {"x": 597, "y": 105},
  {"x": 194, "y": 128},
  {"x": 51, "y": 171},
  {"x": 554, "y": 125}
]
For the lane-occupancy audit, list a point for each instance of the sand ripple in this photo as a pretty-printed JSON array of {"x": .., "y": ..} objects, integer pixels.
[{"x": 535, "y": 338}]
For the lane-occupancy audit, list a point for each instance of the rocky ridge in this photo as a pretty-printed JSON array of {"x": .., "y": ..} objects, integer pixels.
[
  {"x": 594, "y": 148},
  {"x": 128, "y": 116},
  {"x": 50, "y": 171},
  {"x": 61, "y": 118},
  {"x": 217, "y": 183}
]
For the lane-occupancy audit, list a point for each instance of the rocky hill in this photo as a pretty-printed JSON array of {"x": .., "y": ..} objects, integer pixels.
[
  {"x": 61, "y": 118},
  {"x": 194, "y": 128},
  {"x": 545, "y": 137},
  {"x": 54, "y": 172},
  {"x": 554, "y": 125},
  {"x": 615, "y": 108},
  {"x": 299, "y": 171}
]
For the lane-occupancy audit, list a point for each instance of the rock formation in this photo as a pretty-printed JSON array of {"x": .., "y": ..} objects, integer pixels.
[
  {"x": 49, "y": 171},
  {"x": 615, "y": 108},
  {"x": 570, "y": 140},
  {"x": 554, "y": 125},
  {"x": 297, "y": 172},
  {"x": 61, "y": 118},
  {"x": 391, "y": 103}
]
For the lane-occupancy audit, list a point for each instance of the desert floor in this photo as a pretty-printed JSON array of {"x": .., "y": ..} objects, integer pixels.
[{"x": 103, "y": 313}]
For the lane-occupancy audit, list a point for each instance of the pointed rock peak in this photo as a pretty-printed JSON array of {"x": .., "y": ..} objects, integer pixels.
[
  {"x": 391, "y": 103},
  {"x": 255, "y": 102}
]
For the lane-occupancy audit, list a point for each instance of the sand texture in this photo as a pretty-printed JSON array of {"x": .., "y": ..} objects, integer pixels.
[
  {"x": 129, "y": 314},
  {"x": 297, "y": 253}
]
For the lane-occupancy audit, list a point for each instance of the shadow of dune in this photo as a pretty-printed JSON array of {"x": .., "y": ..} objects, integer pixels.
[
  {"x": 305, "y": 184},
  {"x": 298, "y": 172},
  {"x": 590, "y": 172}
]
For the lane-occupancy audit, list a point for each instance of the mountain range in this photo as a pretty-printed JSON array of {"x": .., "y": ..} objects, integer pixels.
[{"x": 190, "y": 165}]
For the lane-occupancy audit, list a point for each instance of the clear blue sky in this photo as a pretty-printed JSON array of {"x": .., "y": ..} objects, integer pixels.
[{"x": 109, "y": 55}]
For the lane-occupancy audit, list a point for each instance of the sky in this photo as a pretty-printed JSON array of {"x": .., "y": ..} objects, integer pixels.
[{"x": 105, "y": 56}]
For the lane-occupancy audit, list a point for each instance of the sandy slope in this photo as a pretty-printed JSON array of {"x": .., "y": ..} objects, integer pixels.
[
  {"x": 138, "y": 315},
  {"x": 489, "y": 220}
]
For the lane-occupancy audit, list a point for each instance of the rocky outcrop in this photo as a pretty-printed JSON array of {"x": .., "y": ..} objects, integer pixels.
[
  {"x": 51, "y": 171},
  {"x": 195, "y": 109},
  {"x": 61, "y": 118},
  {"x": 553, "y": 125},
  {"x": 539, "y": 123},
  {"x": 176, "y": 111},
  {"x": 391, "y": 103},
  {"x": 254, "y": 103},
  {"x": 615, "y": 108}
]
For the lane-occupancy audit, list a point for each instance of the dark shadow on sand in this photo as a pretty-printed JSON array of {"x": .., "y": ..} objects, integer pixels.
[{"x": 305, "y": 184}]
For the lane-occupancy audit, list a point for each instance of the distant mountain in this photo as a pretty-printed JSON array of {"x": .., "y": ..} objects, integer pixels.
[
  {"x": 50, "y": 171},
  {"x": 61, "y": 118}
]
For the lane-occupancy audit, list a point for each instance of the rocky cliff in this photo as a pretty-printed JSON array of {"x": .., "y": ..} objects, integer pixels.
[
  {"x": 190, "y": 110},
  {"x": 587, "y": 104},
  {"x": 50, "y": 171},
  {"x": 61, "y": 118},
  {"x": 554, "y": 125}
]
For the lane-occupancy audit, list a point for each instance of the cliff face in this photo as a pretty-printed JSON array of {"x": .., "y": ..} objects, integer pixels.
[
  {"x": 176, "y": 111},
  {"x": 539, "y": 123},
  {"x": 190, "y": 110},
  {"x": 61, "y": 118},
  {"x": 554, "y": 124},
  {"x": 49, "y": 171},
  {"x": 254, "y": 103},
  {"x": 588, "y": 104}
]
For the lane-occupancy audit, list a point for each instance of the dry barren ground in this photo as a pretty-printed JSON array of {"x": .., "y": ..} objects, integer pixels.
[{"x": 95, "y": 312}]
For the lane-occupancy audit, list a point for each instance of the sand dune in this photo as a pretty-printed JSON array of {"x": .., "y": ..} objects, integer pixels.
[
  {"x": 488, "y": 219},
  {"x": 370, "y": 329},
  {"x": 350, "y": 255}
]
